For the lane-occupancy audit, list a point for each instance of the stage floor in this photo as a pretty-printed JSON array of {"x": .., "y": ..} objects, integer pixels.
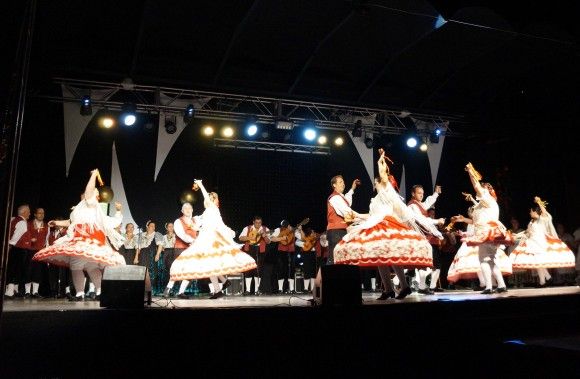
[{"x": 298, "y": 300}]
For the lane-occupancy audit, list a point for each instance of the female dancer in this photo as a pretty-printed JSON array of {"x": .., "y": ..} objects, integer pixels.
[
  {"x": 488, "y": 232},
  {"x": 466, "y": 263},
  {"x": 214, "y": 252},
  {"x": 388, "y": 236},
  {"x": 540, "y": 247},
  {"x": 85, "y": 247}
]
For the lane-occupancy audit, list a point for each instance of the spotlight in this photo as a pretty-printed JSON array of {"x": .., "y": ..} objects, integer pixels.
[
  {"x": 107, "y": 122},
  {"x": 86, "y": 108},
  {"x": 434, "y": 136},
  {"x": 357, "y": 129},
  {"x": 369, "y": 142},
  {"x": 128, "y": 116},
  {"x": 338, "y": 141},
  {"x": 228, "y": 132},
  {"x": 188, "y": 114},
  {"x": 411, "y": 141},
  {"x": 252, "y": 130},
  {"x": 170, "y": 125},
  {"x": 310, "y": 134},
  {"x": 423, "y": 147},
  {"x": 322, "y": 140},
  {"x": 208, "y": 131}
]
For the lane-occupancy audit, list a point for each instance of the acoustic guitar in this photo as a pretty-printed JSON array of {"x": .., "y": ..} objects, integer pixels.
[
  {"x": 286, "y": 236},
  {"x": 310, "y": 241},
  {"x": 254, "y": 236}
]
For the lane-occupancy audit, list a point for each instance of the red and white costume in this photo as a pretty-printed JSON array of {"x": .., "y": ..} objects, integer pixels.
[
  {"x": 385, "y": 238},
  {"x": 541, "y": 247},
  {"x": 213, "y": 253},
  {"x": 86, "y": 244}
]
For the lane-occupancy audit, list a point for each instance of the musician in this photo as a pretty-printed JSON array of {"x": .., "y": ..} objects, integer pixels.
[
  {"x": 256, "y": 237},
  {"x": 306, "y": 241},
  {"x": 420, "y": 208},
  {"x": 34, "y": 271},
  {"x": 284, "y": 236},
  {"x": 18, "y": 244},
  {"x": 186, "y": 228}
]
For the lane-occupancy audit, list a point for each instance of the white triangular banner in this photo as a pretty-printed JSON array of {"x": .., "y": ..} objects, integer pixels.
[
  {"x": 119, "y": 190},
  {"x": 165, "y": 141},
  {"x": 402, "y": 186},
  {"x": 434, "y": 155},
  {"x": 75, "y": 124}
]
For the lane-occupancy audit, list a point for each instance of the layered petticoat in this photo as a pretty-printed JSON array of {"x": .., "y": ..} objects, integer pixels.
[
  {"x": 548, "y": 252},
  {"x": 87, "y": 243},
  {"x": 214, "y": 252},
  {"x": 466, "y": 263},
  {"x": 386, "y": 242}
]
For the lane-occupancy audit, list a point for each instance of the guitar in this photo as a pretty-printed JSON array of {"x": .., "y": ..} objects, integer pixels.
[
  {"x": 310, "y": 241},
  {"x": 254, "y": 236},
  {"x": 286, "y": 236}
]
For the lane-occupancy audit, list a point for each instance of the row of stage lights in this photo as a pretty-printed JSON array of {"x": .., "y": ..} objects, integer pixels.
[
  {"x": 310, "y": 134},
  {"x": 128, "y": 117}
]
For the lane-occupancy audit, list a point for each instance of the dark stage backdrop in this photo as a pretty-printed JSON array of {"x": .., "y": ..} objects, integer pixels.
[{"x": 279, "y": 185}]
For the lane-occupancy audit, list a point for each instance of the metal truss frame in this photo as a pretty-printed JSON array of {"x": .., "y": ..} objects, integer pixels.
[
  {"x": 271, "y": 146},
  {"x": 264, "y": 109}
]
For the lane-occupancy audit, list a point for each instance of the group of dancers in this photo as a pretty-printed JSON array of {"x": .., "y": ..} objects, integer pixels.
[{"x": 392, "y": 236}]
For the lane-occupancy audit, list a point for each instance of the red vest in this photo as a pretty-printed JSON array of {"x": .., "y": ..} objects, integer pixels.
[
  {"x": 431, "y": 238},
  {"x": 24, "y": 241},
  {"x": 334, "y": 220},
  {"x": 321, "y": 251},
  {"x": 262, "y": 242},
  {"x": 179, "y": 243},
  {"x": 39, "y": 234},
  {"x": 52, "y": 237}
]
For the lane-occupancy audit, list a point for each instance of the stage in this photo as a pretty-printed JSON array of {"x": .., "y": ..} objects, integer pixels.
[{"x": 283, "y": 336}]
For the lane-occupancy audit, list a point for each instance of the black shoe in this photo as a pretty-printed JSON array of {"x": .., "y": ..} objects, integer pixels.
[
  {"x": 217, "y": 295},
  {"x": 257, "y": 293},
  {"x": 36, "y": 296},
  {"x": 426, "y": 291},
  {"x": 27, "y": 295},
  {"x": 550, "y": 282},
  {"x": 78, "y": 298},
  {"x": 386, "y": 295},
  {"x": 486, "y": 292},
  {"x": 404, "y": 293},
  {"x": 478, "y": 288},
  {"x": 69, "y": 296},
  {"x": 438, "y": 289},
  {"x": 292, "y": 292},
  {"x": 501, "y": 290},
  {"x": 91, "y": 295},
  {"x": 226, "y": 284},
  {"x": 7, "y": 297},
  {"x": 247, "y": 293},
  {"x": 97, "y": 298},
  {"x": 183, "y": 296}
]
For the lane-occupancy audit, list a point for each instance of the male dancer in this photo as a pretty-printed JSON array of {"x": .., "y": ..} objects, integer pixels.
[{"x": 420, "y": 208}]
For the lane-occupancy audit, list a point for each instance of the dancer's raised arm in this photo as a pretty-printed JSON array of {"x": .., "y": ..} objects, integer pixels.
[
  {"x": 90, "y": 188},
  {"x": 475, "y": 178}
]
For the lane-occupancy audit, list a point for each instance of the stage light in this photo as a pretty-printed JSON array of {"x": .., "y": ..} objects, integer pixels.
[
  {"x": 423, "y": 147},
  {"x": 338, "y": 141},
  {"x": 252, "y": 130},
  {"x": 128, "y": 114},
  {"x": 434, "y": 136},
  {"x": 357, "y": 129},
  {"x": 86, "y": 108},
  {"x": 208, "y": 131},
  {"x": 310, "y": 134},
  {"x": 369, "y": 142},
  {"x": 411, "y": 141},
  {"x": 107, "y": 122},
  {"x": 322, "y": 140},
  {"x": 228, "y": 132},
  {"x": 170, "y": 125},
  {"x": 188, "y": 114}
]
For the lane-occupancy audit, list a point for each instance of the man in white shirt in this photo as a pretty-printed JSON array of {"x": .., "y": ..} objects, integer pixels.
[
  {"x": 19, "y": 243},
  {"x": 420, "y": 208}
]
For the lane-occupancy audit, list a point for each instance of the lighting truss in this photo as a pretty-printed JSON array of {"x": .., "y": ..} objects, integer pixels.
[
  {"x": 222, "y": 106},
  {"x": 271, "y": 146}
]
